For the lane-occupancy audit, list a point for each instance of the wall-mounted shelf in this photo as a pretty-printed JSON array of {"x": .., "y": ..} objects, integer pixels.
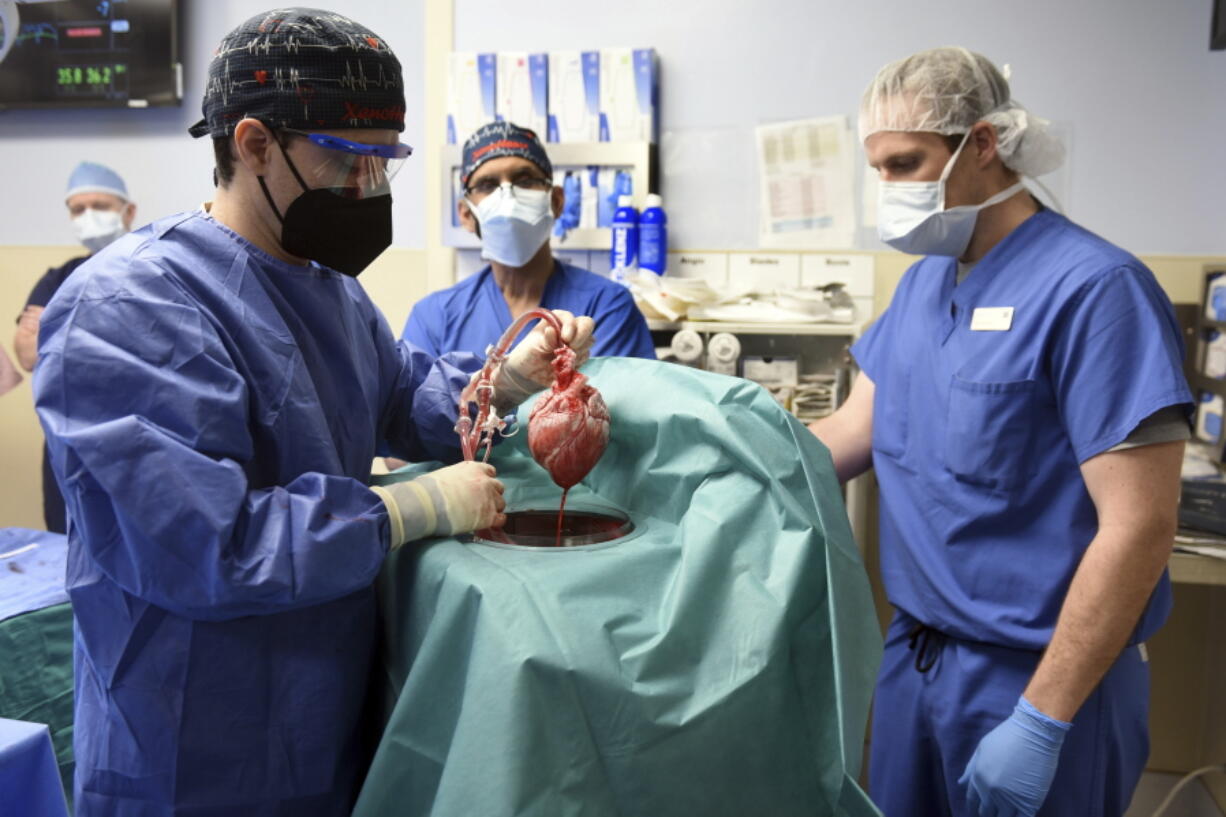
[{"x": 639, "y": 158}]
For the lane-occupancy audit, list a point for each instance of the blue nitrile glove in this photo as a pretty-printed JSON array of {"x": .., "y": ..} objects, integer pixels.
[
  {"x": 569, "y": 220},
  {"x": 623, "y": 185},
  {"x": 1014, "y": 764}
]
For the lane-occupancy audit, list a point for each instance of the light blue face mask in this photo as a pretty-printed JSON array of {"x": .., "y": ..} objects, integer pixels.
[
  {"x": 514, "y": 224},
  {"x": 911, "y": 216}
]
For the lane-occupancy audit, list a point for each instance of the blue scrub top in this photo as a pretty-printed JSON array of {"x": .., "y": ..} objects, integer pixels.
[
  {"x": 211, "y": 413},
  {"x": 51, "y": 281},
  {"x": 473, "y": 314},
  {"x": 978, "y": 435}
]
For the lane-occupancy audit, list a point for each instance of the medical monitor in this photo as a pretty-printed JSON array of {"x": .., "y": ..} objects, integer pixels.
[{"x": 89, "y": 53}]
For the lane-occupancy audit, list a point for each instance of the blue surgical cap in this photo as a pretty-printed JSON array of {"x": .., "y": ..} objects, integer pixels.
[{"x": 91, "y": 177}]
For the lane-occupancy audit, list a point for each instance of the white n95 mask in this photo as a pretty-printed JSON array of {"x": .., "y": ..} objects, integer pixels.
[
  {"x": 514, "y": 224},
  {"x": 97, "y": 228},
  {"x": 911, "y": 216}
]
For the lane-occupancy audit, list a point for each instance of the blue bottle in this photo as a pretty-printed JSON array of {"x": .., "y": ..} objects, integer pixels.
[
  {"x": 653, "y": 236},
  {"x": 623, "y": 258}
]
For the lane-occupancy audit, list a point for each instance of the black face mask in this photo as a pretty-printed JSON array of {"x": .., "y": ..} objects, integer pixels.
[{"x": 338, "y": 232}]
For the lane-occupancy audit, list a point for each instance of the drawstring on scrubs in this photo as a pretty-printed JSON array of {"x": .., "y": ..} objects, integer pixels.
[{"x": 930, "y": 642}]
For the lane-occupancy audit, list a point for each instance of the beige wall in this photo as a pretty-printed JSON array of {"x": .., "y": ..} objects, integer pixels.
[
  {"x": 21, "y": 439},
  {"x": 395, "y": 282}
]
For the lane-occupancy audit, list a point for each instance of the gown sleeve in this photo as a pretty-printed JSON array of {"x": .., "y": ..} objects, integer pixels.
[{"x": 147, "y": 425}]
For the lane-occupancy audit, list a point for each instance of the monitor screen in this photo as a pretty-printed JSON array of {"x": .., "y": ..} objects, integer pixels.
[
  {"x": 89, "y": 53},
  {"x": 1217, "y": 28}
]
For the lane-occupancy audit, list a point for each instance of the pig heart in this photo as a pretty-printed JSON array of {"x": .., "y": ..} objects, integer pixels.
[{"x": 568, "y": 429}]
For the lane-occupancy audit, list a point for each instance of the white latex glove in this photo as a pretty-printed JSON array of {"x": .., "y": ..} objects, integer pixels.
[
  {"x": 460, "y": 498},
  {"x": 529, "y": 368}
]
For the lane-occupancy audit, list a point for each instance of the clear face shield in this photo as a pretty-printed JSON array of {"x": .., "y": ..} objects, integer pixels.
[
  {"x": 343, "y": 217},
  {"x": 354, "y": 170}
]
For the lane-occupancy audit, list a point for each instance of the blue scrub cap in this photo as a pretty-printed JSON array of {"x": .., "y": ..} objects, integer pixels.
[
  {"x": 302, "y": 68},
  {"x": 91, "y": 177},
  {"x": 503, "y": 139}
]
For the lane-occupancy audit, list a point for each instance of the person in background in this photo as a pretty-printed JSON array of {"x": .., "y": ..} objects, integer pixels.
[
  {"x": 1023, "y": 404},
  {"x": 9, "y": 376},
  {"x": 214, "y": 388},
  {"x": 100, "y": 211},
  {"x": 510, "y": 202}
]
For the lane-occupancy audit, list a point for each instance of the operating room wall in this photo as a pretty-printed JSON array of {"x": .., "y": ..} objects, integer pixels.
[
  {"x": 165, "y": 169},
  {"x": 1132, "y": 81},
  {"x": 166, "y": 172}
]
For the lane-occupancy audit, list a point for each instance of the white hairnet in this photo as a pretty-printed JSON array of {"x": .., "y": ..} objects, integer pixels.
[{"x": 947, "y": 90}]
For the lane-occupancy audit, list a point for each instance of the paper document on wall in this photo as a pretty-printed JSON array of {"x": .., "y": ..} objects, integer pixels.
[
  {"x": 805, "y": 172},
  {"x": 870, "y": 188}
]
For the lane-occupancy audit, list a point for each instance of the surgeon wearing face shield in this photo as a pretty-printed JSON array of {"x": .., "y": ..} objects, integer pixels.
[
  {"x": 213, "y": 389},
  {"x": 100, "y": 211},
  {"x": 511, "y": 203},
  {"x": 1023, "y": 405}
]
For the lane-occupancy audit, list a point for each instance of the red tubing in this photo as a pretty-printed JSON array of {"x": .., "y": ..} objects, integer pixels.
[{"x": 474, "y": 435}]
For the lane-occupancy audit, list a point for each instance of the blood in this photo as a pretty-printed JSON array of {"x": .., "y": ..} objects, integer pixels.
[
  {"x": 539, "y": 529},
  {"x": 568, "y": 429},
  {"x": 561, "y": 513}
]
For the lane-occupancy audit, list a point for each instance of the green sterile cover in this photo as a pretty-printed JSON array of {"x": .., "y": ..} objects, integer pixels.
[
  {"x": 718, "y": 661},
  {"x": 36, "y": 677}
]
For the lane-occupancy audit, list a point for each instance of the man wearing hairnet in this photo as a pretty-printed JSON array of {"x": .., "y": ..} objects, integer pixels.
[
  {"x": 1023, "y": 405},
  {"x": 214, "y": 387},
  {"x": 101, "y": 211}
]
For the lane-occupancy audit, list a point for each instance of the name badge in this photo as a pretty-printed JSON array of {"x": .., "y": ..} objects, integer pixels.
[{"x": 992, "y": 319}]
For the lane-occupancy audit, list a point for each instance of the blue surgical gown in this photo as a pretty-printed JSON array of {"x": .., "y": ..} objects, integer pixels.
[
  {"x": 473, "y": 314},
  {"x": 978, "y": 436},
  {"x": 211, "y": 414}
]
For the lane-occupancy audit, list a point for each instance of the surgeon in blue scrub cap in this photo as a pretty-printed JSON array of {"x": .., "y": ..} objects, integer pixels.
[
  {"x": 1023, "y": 404},
  {"x": 213, "y": 388}
]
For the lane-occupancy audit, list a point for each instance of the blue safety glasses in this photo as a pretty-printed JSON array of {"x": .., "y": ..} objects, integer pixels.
[{"x": 351, "y": 168}]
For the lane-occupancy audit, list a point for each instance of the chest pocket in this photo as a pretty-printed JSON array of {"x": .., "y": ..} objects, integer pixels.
[
  {"x": 989, "y": 433},
  {"x": 891, "y": 410}
]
